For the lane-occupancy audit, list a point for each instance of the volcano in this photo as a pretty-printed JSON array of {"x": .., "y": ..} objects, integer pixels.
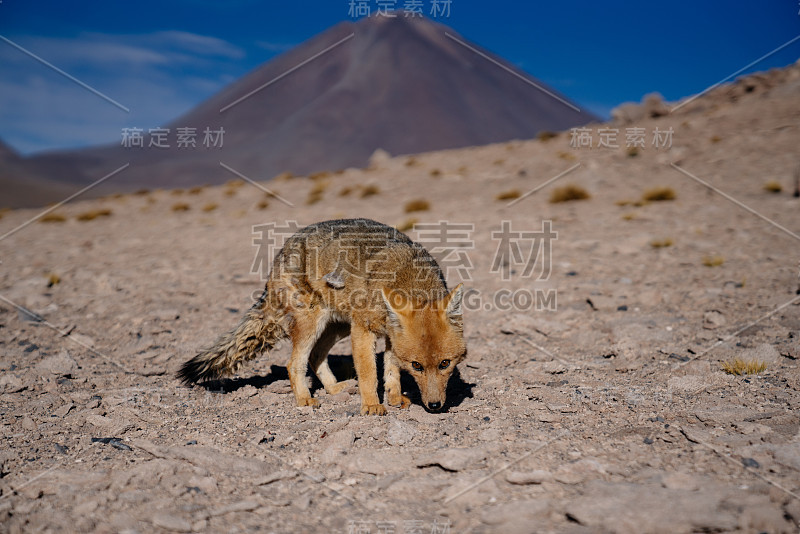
[{"x": 405, "y": 85}]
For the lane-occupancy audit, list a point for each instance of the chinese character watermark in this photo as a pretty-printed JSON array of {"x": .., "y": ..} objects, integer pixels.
[
  {"x": 185, "y": 137},
  {"x": 389, "y": 8},
  {"x": 635, "y": 137}
]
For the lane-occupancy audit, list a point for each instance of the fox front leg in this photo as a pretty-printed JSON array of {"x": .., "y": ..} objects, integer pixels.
[{"x": 366, "y": 370}]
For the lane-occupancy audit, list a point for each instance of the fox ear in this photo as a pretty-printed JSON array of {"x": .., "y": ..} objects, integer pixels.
[
  {"x": 394, "y": 307},
  {"x": 452, "y": 304}
]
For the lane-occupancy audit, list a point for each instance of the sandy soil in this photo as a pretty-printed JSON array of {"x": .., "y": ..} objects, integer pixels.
[{"x": 610, "y": 413}]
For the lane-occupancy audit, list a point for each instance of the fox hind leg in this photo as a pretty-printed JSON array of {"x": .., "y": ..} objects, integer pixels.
[
  {"x": 304, "y": 333},
  {"x": 319, "y": 356}
]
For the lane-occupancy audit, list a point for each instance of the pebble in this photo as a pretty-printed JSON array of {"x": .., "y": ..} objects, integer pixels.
[
  {"x": 399, "y": 433},
  {"x": 528, "y": 477},
  {"x": 171, "y": 522}
]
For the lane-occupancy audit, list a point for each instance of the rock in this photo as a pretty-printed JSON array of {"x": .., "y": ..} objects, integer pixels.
[
  {"x": 713, "y": 319},
  {"x": 274, "y": 477},
  {"x": 516, "y": 516},
  {"x": 627, "y": 507},
  {"x": 378, "y": 461},
  {"x": 62, "y": 364},
  {"x": 578, "y": 472},
  {"x": 528, "y": 477},
  {"x": 10, "y": 383},
  {"x": 171, "y": 522},
  {"x": 454, "y": 459},
  {"x": 691, "y": 384},
  {"x": 64, "y": 410},
  {"x": 399, "y": 433},
  {"x": 762, "y": 353},
  {"x": 337, "y": 445}
]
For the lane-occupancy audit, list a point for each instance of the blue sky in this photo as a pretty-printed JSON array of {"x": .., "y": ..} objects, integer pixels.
[{"x": 160, "y": 59}]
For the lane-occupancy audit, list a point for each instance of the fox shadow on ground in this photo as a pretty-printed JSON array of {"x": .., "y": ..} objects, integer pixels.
[{"x": 342, "y": 366}]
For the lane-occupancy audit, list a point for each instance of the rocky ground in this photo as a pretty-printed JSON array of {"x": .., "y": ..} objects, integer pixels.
[{"x": 609, "y": 413}]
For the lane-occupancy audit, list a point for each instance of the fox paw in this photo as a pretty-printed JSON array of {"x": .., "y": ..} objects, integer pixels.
[
  {"x": 338, "y": 387},
  {"x": 310, "y": 401},
  {"x": 401, "y": 401},
  {"x": 373, "y": 409}
]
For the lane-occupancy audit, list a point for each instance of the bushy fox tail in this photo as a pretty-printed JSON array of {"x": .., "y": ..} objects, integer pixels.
[{"x": 258, "y": 331}]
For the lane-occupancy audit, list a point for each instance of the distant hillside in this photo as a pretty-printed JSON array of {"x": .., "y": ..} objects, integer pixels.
[{"x": 400, "y": 84}]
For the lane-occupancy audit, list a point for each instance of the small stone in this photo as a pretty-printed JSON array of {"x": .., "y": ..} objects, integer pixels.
[
  {"x": 10, "y": 383},
  {"x": 62, "y": 364},
  {"x": 528, "y": 477},
  {"x": 713, "y": 319},
  {"x": 750, "y": 462},
  {"x": 170, "y": 522},
  {"x": 399, "y": 433}
]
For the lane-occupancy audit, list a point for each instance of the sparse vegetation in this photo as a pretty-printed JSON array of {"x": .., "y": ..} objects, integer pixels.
[
  {"x": 317, "y": 192},
  {"x": 566, "y": 156},
  {"x": 142, "y": 192},
  {"x": 436, "y": 173},
  {"x": 713, "y": 261},
  {"x": 210, "y": 207},
  {"x": 262, "y": 205},
  {"x": 716, "y": 139},
  {"x": 661, "y": 243},
  {"x": 740, "y": 367},
  {"x": 407, "y": 225},
  {"x": 568, "y": 193},
  {"x": 773, "y": 186},
  {"x": 181, "y": 206},
  {"x": 509, "y": 195},
  {"x": 284, "y": 176},
  {"x": 499, "y": 161},
  {"x": 659, "y": 194},
  {"x": 176, "y": 192},
  {"x": 345, "y": 191},
  {"x": 196, "y": 190},
  {"x": 53, "y": 279},
  {"x": 624, "y": 202},
  {"x": 629, "y": 216},
  {"x": 235, "y": 183},
  {"x": 633, "y": 152},
  {"x": 417, "y": 205},
  {"x": 319, "y": 175},
  {"x": 53, "y": 218},
  {"x": 545, "y": 136},
  {"x": 370, "y": 190},
  {"x": 94, "y": 214},
  {"x": 411, "y": 162}
]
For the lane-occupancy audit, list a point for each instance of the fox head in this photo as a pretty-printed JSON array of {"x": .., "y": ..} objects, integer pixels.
[{"x": 427, "y": 341}]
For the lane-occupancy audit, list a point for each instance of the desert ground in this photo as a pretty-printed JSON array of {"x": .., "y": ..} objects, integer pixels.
[{"x": 606, "y": 410}]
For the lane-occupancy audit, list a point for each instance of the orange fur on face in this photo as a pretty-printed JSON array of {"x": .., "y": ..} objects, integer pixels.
[{"x": 427, "y": 342}]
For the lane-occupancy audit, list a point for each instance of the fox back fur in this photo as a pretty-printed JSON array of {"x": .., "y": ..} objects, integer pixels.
[{"x": 353, "y": 277}]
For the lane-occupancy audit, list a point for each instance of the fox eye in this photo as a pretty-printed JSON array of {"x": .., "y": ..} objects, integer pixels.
[
  {"x": 444, "y": 364},
  {"x": 417, "y": 366}
]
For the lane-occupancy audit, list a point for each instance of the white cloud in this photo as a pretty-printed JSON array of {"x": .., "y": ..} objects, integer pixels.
[{"x": 159, "y": 76}]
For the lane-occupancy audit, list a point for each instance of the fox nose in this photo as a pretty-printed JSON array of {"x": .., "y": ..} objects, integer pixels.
[{"x": 434, "y": 406}]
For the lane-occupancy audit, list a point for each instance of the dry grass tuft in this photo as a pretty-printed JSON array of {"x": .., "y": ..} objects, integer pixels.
[
  {"x": 176, "y": 192},
  {"x": 53, "y": 218},
  {"x": 210, "y": 207},
  {"x": 412, "y": 162},
  {"x": 568, "y": 193},
  {"x": 629, "y": 217},
  {"x": 407, "y": 225},
  {"x": 142, "y": 192},
  {"x": 319, "y": 175},
  {"x": 262, "y": 205},
  {"x": 370, "y": 190},
  {"x": 713, "y": 261},
  {"x": 345, "y": 191},
  {"x": 499, "y": 161},
  {"x": 773, "y": 186},
  {"x": 284, "y": 176},
  {"x": 509, "y": 195},
  {"x": 740, "y": 367},
  {"x": 661, "y": 243},
  {"x": 417, "y": 205},
  {"x": 94, "y": 214},
  {"x": 624, "y": 202},
  {"x": 237, "y": 182},
  {"x": 196, "y": 190},
  {"x": 181, "y": 206},
  {"x": 633, "y": 152},
  {"x": 566, "y": 156},
  {"x": 436, "y": 173},
  {"x": 716, "y": 139},
  {"x": 659, "y": 194},
  {"x": 545, "y": 136},
  {"x": 53, "y": 279}
]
